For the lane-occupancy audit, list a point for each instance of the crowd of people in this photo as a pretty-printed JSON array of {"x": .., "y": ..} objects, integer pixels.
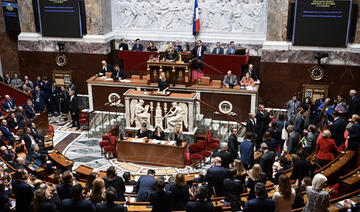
[{"x": 45, "y": 96}]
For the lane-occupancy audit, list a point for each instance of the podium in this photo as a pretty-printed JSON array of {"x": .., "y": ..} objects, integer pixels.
[{"x": 176, "y": 72}]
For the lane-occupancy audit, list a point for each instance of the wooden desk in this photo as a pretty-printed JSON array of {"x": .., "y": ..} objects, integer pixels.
[
  {"x": 60, "y": 159},
  {"x": 42, "y": 123},
  {"x": 151, "y": 153},
  {"x": 177, "y": 72}
]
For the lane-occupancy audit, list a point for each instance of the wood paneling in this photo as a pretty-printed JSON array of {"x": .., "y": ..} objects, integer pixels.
[
  {"x": 280, "y": 80},
  {"x": 83, "y": 66},
  {"x": 101, "y": 94}
]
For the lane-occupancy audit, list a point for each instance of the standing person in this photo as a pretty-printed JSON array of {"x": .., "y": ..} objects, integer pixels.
[
  {"x": 200, "y": 205},
  {"x": 16, "y": 82},
  {"x": 262, "y": 119},
  {"x": 338, "y": 128},
  {"x": 293, "y": 140},
  {"x": 198, "y": 54},
  {"x": 38, "y": 82},
  {"x": 76, "y": 202},
  {"x": 354, "y": 133},
  {"x": 325, "y": 149},
  {"x": 233, "y": 143},
  {"x": 112, "y": 180},
  {"x": 160, "y": 200},
  {"x": 137, "y": 46},
  {"x": 39, "y": 99},
  {"x": 284, "y": 195},
  {"x": 224, "y": 154},
  {"x": 54, "y": 99},
  {"x": 72, "y": 87},
  {"x": 170, "y": 53},
  {"x": 28, "y": 82},
  {"x": 109, "y": 204},
  {"x": 247, "y": 150},
  {"x": 300, "y": 122},
  {"x": 233, "y": 189},
  {"x": 180, "y": 193},
  {"x": 74, "y": 110},
  {"x": 7, "y": 79},
  {"x": 354, "y": 106},
  {"x": 301, "y": 167},
  {"x": 64, "y": 190},
  {"x": 318, "y": 200},
  {"x": 292, "y": 106},
  {"x": 64, "y": 102},
  {"x": 23, "y": 191},
  {"x": 267, "y": 160},
  {"x": 251, "y": 124},
  {"x": 97, "y": 194},
  {"x": 163, "y": 83},
  {"x": 341, "y": 105},
  {"x": 145, "y": 186},
  {"x": 215, "y": 177}
]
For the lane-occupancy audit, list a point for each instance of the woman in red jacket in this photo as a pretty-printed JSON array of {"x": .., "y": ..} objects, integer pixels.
[{"x": 325, "y": 149}]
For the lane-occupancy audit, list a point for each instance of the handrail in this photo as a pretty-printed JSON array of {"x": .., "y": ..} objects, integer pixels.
[
  {"x": 215, "y": 109},
  {"x": 215, "y": 69},
  {"x": 16, "y": 89}
]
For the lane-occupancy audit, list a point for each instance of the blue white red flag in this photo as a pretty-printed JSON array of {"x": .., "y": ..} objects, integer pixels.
[{"x": 196, "y": 23}]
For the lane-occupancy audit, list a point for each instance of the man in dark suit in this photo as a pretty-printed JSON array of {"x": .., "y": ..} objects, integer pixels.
[
  {"x": 21, "y": 117},
  {"x": 123, "y": 46},
  {"x": 74, "y": 110},
  {"x": 301, "y": 167},
  {"x": 8, "y": 105},
  {"x": 46, "y": 88},
  {"x": 39, "y": 99},
  {"x": 7, "y": 79},
  {"x": 109, "y": 205},
  {"x": 118, "y": 73},
  {"x": 38, "y": 82},
  {"x": 105, "y": 67},
  {"x": 7, "y": 134},
  {"x": 73, "y": 88},
  {"x": 77, "y": 203},
  {"x": 251, "y": 124},
  {"x": 161, "y": 200},
  {"x": 137, "y": 46},
  {"x": 54, "y": 96},
  {"x": 64, "y": 190},
  {"x": 29, "y": 109},
  {"x": 198, "y": 54},
  {"x": 224, "y": 154},
  {"x": 293, "y": 142},
  {"x": 215, "y": 177},
  {"x": 262, "y": 123},
  {"x": 231, "y": 49},
  {"x": 233, "y": 143},
  {"x": 35, "y": 133},
  {"x": 218, "y": 49},
  {"x": 200, "y": 205},
  {"x": 252, "y": 73},
  {"x": 300, "y": 122},
  {"x": 145, "y": 186},
  {"x": 338, "y": 128},
  {"x": 28, "y": 139},
  {"x": 260, "y": 203},
  {"x": 247, "y": 150},
  {"x": 178, "y": 47},
  {"x": 23, "y": 192},
  {"x": 354, "y": 106},
  {"x": 267, "y": 160}
]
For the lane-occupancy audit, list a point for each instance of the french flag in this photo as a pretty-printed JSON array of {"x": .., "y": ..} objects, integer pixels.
[{"x": 196, "y": 23}]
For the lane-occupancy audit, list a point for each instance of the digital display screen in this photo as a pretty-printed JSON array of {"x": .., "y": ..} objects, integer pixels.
[
  {"x": 10, "y": 13},
  {"x": 60, "y": 18},
  {"x": 322, "y": 22}
]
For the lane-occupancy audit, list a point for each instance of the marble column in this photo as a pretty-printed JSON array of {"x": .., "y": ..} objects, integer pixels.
[
  {"x": 26, "y": 16},
  {"x": 277, "y": 20},
  {"x": 98, "y": 16}
]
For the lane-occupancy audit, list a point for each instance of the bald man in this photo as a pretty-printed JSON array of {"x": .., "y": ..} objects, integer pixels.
[
  {"x": 215, "y": 177},
  {"x": 230, "y": 80},
  {"x": 8, "y": 105},
  {"x": 354, "y": 106}
]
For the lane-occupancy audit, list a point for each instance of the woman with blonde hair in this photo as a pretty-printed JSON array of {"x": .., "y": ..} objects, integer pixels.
[
  {"x": 284, "y": 195},
  {"x": 240, "y": 172},
  {"x": 97, "y": 194},
  {"x": 180, "y": 193},
  {"x": 256, "y": 175},
  {"x": 318, "y": 200}
]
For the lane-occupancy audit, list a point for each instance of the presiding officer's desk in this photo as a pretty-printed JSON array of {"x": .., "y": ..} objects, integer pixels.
[{"x": 151, "y": 152}]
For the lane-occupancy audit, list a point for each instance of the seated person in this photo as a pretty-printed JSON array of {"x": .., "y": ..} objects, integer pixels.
[
  {"x": 152, "y": 47},
  {"x": 230, "y": 80},
  {"x": 104, "y": 68},
  {"x": 247, "y": 80},
  {"x": 137, "y": 46},
  {"x": 118, "y": 73},
  {"x": 35, "y": 133},
  {"x": 252, "y": 73},
  {"x": 176, "y": 135},
  {"x": 5, "y": 153},
  {"x": 7, "y": 134},
  {"x": 218, "y": 49},
  {"x": 8, "y": 105},
  {"x": 128, "y": 179},
  {"x": 12, "y": 122},
  {"x": 170, "y": 53},
  {"x": 231, "y": 49},
  {"x": 178, "y": 47},
  {"x": 158, "y": 134},
  {"x": 143, "y": 132},
  {"x": 163, "y": 84},
  {"x": 21, "y": 117},
  {"x": 123, "y": 45}
]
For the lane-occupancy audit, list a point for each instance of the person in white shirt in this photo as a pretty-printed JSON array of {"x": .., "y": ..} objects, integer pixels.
[{"x": 284, "y": 195}]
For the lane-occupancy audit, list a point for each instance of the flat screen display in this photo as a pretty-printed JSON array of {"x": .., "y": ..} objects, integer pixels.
[
  {"x": 59, "y": 18},
  {"x": 322, "y": 22}
]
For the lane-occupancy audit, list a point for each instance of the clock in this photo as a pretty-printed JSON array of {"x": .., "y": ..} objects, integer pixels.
[
  {"x": 317, "y": 73},
  {"x": 61, "y": 60}
]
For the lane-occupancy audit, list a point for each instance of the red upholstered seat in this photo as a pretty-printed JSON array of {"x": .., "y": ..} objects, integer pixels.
[
  {"x": 195, "y": 155},
  {"x": 104, "y": 143},
  {"x": 112, "y": 146},
  {"x": 194, "y": 148},
  {"x": 83, "y": 121},
  {"x": 6, "y": 142},
  {"x": 51, "y": 128},
  {"x": 213, "y": 146},
  {"x": 187, "y": 157},
  {"x": 202, "y": 148},
  {"x": 83, "y": 116},
  {"x": 106, "y": 137}
]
